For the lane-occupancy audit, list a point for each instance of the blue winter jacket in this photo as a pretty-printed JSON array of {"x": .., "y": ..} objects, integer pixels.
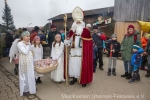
[{"x": 136, "y": 59}]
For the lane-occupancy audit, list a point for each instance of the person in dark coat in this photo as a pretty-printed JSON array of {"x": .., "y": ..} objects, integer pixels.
[
  {"x": 113, "y": 48},
  {"x": 98, "y": 40},
  {"x": 9, "y": 39},
  {"x": 52, "y": 34}
]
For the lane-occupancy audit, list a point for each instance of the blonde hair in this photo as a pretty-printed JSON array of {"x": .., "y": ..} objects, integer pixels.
[
  {"x": 39, "y": 45},
  {"x": 56, "y": 41}
]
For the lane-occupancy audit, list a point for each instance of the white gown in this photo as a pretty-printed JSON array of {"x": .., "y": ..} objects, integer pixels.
[
  {"x": 26, "y": 69},
  {"x": 75, "y": 59},
  {"x": 58, "y": 53},
  {"x": 38, "y": 55}
]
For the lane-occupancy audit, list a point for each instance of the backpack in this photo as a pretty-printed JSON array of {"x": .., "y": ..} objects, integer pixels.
[{"x": 135, "y": 37}]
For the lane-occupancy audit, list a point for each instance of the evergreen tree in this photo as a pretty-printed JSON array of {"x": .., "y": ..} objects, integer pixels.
[{"x": 7, "y": 18}]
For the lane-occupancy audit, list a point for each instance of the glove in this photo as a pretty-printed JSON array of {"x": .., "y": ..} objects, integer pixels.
[{"x": 66, "y": 42}]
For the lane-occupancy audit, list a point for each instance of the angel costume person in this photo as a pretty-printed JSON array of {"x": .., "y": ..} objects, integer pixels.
[
  {"x": 38, "y": 55},
  {"x": 26, "y": 68},
  {"x": 80, "y": 58},
  {"x": 58, "y": 54}
]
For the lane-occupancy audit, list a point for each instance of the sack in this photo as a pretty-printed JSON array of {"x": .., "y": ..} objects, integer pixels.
[{"x": 16, "y": 59}]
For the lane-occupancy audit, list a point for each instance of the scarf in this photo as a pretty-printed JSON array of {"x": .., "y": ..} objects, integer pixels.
[{"x": 130, "y": 34}]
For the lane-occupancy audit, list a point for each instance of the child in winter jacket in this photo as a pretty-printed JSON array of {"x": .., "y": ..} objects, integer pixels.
[
  {"x": 136, "y": 61},
  {"x": 113, "y": 49}
]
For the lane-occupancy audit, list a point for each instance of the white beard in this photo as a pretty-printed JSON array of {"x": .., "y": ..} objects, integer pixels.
[{"x": 78, "y": 28}]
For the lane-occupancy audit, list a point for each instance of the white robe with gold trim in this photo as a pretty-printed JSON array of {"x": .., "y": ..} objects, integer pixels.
[{"x": 26, "y": 69}]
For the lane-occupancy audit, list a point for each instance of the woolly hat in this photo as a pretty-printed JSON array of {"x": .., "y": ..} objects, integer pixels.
[
  {"x": 114, "y": 36},
  {"x": 136, "y": 47},
  {"x": 24, "y": 29},
  {"x": 88, "y": 25},
  {"x": 36, "y": 28},
  {"x": 53, "y": 26},
  {"x": 130, "y": 26},
  {"x": 95, "y": 27},
  {"x": 25, "y": 33},
  {"x": 36, "y": 38}
]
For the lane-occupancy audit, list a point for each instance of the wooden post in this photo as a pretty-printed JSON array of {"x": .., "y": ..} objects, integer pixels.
[
  {"x": 66, "y": 52},
  {"x": 141, "y": 33}
]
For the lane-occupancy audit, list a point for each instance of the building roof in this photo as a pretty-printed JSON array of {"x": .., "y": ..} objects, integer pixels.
[{"x": 86, "y": 13}]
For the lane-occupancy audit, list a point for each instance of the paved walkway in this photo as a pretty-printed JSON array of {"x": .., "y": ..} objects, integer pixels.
[
  {"x": 9, "y": 87},
  {"x": 103, "y": 87}
]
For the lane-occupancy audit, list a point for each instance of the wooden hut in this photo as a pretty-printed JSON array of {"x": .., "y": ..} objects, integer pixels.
[
  {"x": 90, "y": 16},
  {"x": 128, "y": 12}
]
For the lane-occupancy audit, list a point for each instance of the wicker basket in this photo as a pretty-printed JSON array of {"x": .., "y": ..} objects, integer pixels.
[{"x": 45, "y": 70}]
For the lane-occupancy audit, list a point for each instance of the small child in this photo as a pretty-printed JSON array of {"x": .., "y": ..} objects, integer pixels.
[
  {"x": 113, "y": 48},
  {"x": 57, "y": 54},
  {"x": 38, "y": 55},
  {"x": 136, "y": 61},
  {"x": 94, "y": 57}
]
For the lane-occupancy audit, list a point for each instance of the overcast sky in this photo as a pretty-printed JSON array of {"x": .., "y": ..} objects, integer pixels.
[{"x": 38, "y": 11}]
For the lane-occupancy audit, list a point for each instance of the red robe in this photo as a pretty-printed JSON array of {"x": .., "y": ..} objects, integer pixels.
[
  {"x": 87, "y": 57},
  {"x": 86, "y": 75}
]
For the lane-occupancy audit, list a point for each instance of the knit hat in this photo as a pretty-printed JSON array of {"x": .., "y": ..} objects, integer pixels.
[
  {"x": 88, "y": 25},
  {"x": 53, "y": 26},
  {"x": 114, "y": 36},
  {"x": 25, "y": 33},
  {"x": 147, "y": 35},
  {"x": 130, "y": 26},
  {"x": 36, "y": 28},
  {"x": 24, "y": 29},
  {"x": 36, "y": 38},
  {"x": 95, "y": 27},
  {"x": 136, "y": 47}
]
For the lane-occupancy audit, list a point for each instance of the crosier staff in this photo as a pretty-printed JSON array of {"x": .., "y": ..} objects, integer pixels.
[{"x": 66, "y": 65}]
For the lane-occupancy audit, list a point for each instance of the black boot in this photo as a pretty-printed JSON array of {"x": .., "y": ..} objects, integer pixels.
[
  {"x": 114, "y": 71},
  {"x": 125, "y": 75},
  {"x": 38, "y": 80},
  {"x": 129, "y": 76},
  {"x": 83, "y": 85},
  {"x": 73, "y": 81},
  {"x": 101, "y": 68},
  {"x": 148, "y": 73},
  {"x": 26, "y": 93},
  {"x": 134, "y": 77},
  {"x": 109, "y": 72}
]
